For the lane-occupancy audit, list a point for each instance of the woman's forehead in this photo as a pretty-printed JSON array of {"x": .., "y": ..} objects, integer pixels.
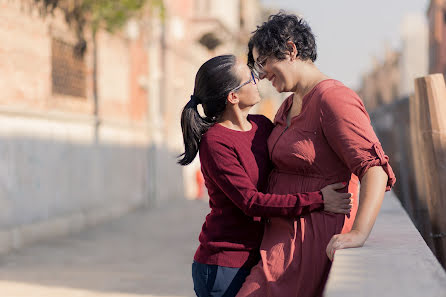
[{"x": 243, "y": 69}]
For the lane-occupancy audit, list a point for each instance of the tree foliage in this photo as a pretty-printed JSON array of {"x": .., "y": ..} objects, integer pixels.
[{"x": 107, "y": 14}]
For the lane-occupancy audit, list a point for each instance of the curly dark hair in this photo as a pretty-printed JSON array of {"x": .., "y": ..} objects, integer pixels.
[{"x": 271, "y": 37}]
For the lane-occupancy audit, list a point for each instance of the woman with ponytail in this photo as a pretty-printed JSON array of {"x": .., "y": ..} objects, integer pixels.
[{"x": 235, "y": 164}]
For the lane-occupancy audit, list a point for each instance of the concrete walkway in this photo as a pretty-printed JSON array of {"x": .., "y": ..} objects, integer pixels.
[
  {"x": 149, "y": 253},
  {"x": 146, "y": 253}
]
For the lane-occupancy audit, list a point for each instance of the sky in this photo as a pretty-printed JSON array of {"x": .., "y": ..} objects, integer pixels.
[{"x": 349, "y": 33}]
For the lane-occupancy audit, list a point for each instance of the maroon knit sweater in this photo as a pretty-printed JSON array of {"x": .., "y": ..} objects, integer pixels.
[{"x": 235, "y": 167}]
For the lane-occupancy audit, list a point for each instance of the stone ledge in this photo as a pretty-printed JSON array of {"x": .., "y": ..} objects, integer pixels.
[{"x": 395, "y": 261}]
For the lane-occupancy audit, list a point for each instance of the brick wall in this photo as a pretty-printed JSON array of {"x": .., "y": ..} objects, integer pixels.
[
  {"x": 26, "y": 67},
  {"x": 59, "y": 170}
]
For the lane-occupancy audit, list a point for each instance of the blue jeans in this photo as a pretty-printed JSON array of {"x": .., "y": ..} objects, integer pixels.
[{"x": 217, "y": 281}]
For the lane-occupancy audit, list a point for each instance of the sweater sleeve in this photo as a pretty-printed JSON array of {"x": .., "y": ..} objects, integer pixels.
[
  {"x": 347, "y": 127},
  {"x": 221, "y": 164}
]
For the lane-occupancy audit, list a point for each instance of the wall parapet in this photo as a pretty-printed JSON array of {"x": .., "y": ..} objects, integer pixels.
[{"x": 395, "y": 261}]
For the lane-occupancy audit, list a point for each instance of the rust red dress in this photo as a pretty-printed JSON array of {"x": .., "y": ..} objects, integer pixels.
[{"x": 330, "y": 141}]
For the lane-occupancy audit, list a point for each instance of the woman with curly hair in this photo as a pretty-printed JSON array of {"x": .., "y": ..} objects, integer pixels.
[
  {"x": 235, "y": 165},
  {"x": 322, "y": 135}
]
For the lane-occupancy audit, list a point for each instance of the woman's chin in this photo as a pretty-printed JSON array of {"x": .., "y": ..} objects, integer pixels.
[
  {"x": 257, "y": 102},
  {"x": 281, "y": 88}
]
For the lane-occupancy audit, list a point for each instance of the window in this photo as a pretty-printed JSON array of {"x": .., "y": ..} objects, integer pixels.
[{"x": 67, "y": 70}]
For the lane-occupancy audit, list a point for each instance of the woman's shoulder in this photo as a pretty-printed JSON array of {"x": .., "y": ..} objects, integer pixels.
[
  {"x": 213, "y": 141},
  {"x": 331, "y": 89},
  {"x": 214, "y": 134},
  {"x": 335, "y": 93},
  {"x": 336, "y": 99},
  {"x": 264, "y": 124},
  {"x": 259, "y": 119}
]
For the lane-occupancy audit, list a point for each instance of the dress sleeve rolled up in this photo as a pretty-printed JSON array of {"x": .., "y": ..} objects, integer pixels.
[{"x": 347, "y": 128}]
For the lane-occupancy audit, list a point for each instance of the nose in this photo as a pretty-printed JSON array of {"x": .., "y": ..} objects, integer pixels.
[{"x": 262, "y": 75}]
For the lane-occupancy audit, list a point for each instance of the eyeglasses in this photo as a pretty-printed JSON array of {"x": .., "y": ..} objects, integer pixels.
[
  {"x": 254, "y": 79},
  {"x": 259, "y": 68}
]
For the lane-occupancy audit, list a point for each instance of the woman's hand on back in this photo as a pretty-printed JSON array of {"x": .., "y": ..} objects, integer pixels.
[{"x": 336, "y": 202}]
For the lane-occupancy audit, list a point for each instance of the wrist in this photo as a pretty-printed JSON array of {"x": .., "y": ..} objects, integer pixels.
[{"x": 360, "y": 234}]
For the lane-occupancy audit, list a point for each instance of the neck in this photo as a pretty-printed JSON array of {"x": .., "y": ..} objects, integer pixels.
[
  {"x": 308, "y": 81},
  {"x": 236, "y": 119}
]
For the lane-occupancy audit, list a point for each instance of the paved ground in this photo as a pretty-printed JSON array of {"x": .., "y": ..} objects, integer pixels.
[
  {"x": 146, "y": 253},
  {"x": 149, "y": 253}
]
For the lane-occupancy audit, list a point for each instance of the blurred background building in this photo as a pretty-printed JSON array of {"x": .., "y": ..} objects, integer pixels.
[
  {"x": 437, "y": 36},
  {"x": 423, "y": 51},
  {"x": 392, "y": 75},
  {"x": 68, "y": 159}
]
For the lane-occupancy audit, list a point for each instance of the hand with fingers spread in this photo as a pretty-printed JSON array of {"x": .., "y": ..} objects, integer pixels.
[{"x": 336, "y": 202}]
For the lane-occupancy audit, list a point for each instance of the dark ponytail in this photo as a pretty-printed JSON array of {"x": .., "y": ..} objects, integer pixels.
[{"x": 213, "y": 82}]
